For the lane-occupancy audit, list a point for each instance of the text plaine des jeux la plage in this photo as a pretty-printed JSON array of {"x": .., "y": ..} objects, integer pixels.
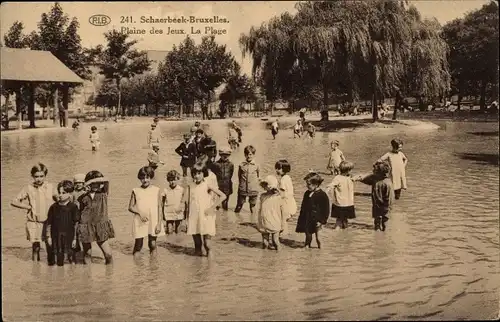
[{"x": 174, "y": 30}]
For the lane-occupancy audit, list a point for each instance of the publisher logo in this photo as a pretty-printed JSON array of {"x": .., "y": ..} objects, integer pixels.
[{"x": 99, "y": 20}]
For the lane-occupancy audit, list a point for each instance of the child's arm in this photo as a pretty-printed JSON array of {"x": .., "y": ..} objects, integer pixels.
[
  {"x": 342, "y": 157},
  {"x": 160, "y": 212},
  {"x": 132, "y": 206},
  {"x": 385, "y": 157},
  {"x": 179, "y": 150},
  {"x": 258, "y": 171},
  {"x": 18, "y": 201},
  {"x": 325, "y": 208},
  {"x": 387, "y": 195},
  {"x": 48, "y": 225},
  {"x": 231, "y": 170},
  {"x": 405, "y": 159},
  {"x": 220, "y": 197},
  {"x": 76, "y": 221}
]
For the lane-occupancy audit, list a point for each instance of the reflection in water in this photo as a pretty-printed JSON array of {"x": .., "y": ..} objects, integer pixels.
[{"x": 438, "y": 258}]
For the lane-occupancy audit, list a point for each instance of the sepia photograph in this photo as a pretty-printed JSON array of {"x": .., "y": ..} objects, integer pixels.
[{"x": 250, "y": 160}]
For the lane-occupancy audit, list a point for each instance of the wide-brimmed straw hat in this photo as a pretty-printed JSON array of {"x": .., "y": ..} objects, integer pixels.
[
  {"x": 271, "y": 181},
  {"x": 79, "y": 178}
]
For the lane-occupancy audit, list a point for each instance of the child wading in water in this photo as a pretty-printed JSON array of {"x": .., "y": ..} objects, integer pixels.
[
  {"x": 382, "y": 193},
  {"x": 95, "y": 225},
  {"x": 146, "y": 205},
  {"x": 223, "y": 170},
  {"x": 314, "y": 210},
  {"x": 95, "y": 141},
  {"x": 398, "y": 161},
  {"x": 342, "y": 188},
  {"x": 336, "y": 156},
  {"x": 297, "y": 129},
  {"x": 154, "y": 157},
  {"x": 62, "y": 222},
  {"x": 274, "y": 129},
  {"x": 36, "y": 199},
  {"x": 248, "y": 177},
  {"x": 174, "y": 203},
  {"x": 282, "y": 168},
  {"x": 187, "y": 151},
  {"x": 272, "y": 216},
  {"x": 201, "y": 209}
]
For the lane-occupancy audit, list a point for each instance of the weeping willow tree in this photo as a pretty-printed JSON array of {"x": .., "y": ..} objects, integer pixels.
[{"x": 358, "y": 48}]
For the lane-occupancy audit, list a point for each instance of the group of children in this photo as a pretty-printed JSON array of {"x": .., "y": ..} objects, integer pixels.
[
  {"x": 298, "y": 129},
  {"x": 76, "y": 211},
  {"x": 67, "y": 217}
]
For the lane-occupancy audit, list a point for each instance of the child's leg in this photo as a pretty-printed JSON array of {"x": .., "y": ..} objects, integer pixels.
[
  {"x": 252, "y": 200},
  {"x": 376, "y": 222},
  {"x": 239, "y": 203},
  {"x": 152, "y": 244},
  {"x": 397, "y": 194},
  {"x": 316, "y": 234},
  {"x": 170, "y": 223},
  {"x": 139, "y": 242},
  {"x": 383, "y": 220},
  {"x": 338, "y": 223},
  {"x": 177, "y": 224},
  {"x": 225, "y": 203},
  {"x": 345, "y": 223},
  {"x": 184, "y": 171},
  {"x": 197, "y": 244},
  {"x": 51, "y": 253},
  {"x": 86, "y": 247},
  {"x": 308, "y": 240},
  {"x": 276, "y": 241},
  {"x": 106, "y": 249},
  {"x": 265, "y": 240},
  {"x": 207, "y": 243}
]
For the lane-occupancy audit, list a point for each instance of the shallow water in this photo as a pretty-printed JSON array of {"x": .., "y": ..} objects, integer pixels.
[{"x": 437, "y": 260}]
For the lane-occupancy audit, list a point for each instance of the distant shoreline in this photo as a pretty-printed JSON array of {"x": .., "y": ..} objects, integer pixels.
[{"x": 287, "y": 120}]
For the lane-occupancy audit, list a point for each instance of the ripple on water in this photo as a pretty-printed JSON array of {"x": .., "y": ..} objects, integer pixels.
[{"x": 439, "y": 253}]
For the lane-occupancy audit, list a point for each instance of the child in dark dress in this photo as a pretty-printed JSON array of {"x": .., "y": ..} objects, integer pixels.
[
  {"x": 187, "y": 151},
  {"x": 61, "y": 225},
  {"x": 382, "y": 193},
  {"x": 314, "y": 210}
]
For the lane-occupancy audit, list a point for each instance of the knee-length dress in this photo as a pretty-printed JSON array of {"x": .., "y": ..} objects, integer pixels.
[
  {"x": 174, "y": 203},
  {"x": 272, "y": 215},
  {"x": 289, "y": 203},
  {"x": 200, "y": 199},
  {"x": 147, "y": 204},
  {"x": 398, "y": 168}
]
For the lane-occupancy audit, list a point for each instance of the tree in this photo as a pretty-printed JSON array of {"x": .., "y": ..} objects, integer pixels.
[
  {"x": 15, "y": 38},
  {"x": 214, "y": 67},
  {"x": 59, "y": 35},
  {"x": 119, "y": 60},
  {"x": 473, "y": 57},
  {"x": 353, "y": 49}
]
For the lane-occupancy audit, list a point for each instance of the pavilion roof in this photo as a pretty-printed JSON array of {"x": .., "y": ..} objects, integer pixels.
[{"x": 34, "y": 66}]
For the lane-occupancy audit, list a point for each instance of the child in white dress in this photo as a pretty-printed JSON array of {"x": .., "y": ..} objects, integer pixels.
[
  {"x": 282, "y": 168},
  {"x": 146, "y": 205},
  {"x": 341, "y": 191},
  {"x": 173, "y": 203},
  {"x": 95, "y": 141},
  {"x": 271, "y": 216},
  {"x": 398, "y": 161},
  {"x": 336, "y": 156},
  {"x": 201, "y": 208}
]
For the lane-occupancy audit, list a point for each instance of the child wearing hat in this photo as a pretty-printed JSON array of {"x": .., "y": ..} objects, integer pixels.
[
  {"x": 187, "y": 151},
  {"x": 272, "y": 215},
  {"x": 154, "y": 157},
  {"x": 335, "y": 158},
  {"x": 224, "y": 170},
  {"x": 153, "y": 136}
]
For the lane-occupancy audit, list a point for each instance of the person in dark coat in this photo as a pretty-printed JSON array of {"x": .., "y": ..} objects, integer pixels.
[
  {"x": 61, "y": 225},
  {"x": 187, "y": 151},
  {"x": 314, "y": 210},
  {"x": 209, "y": 146},
  {"x": 223, "y": 170}
]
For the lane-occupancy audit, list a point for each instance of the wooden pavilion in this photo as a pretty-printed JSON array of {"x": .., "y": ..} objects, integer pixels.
[{"x": 34, "y": 67}]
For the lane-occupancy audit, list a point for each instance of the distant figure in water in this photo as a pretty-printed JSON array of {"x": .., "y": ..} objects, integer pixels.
[
  {"x": 311, "y": 130},
  {"x": 76, "y": 124},
  {"x": 298, "y": 129},
  {"x": 274, "y": 129},
  {"x": 95, "y": 141}
]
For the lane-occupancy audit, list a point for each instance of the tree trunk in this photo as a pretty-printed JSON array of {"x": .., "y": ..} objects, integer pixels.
[
  {"x": 31, "y": 105},
  {"x": 324, "y": 108},
  {"x": 119, "y": 108},
  {"x": 482, "y": 100},
  {"x": 459, "y": 101},
  {"x": 65, "y": 104},
  {"x": 19, "y": 113},
  {"x": 374, "y": 107}
]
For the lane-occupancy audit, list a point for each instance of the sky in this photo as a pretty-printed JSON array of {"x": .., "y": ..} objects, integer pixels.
[{"x": 240, "y": 16}]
